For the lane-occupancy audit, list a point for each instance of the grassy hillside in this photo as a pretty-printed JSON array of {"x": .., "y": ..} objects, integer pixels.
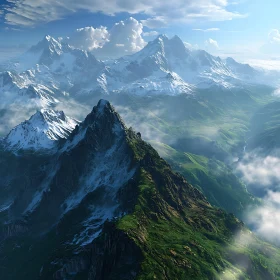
[
  {"x": 181, "y": 236},
  {"x": 265, "y": 128},
  {"x": 166, "y": 228},
  {"x": 217, "y": 181},
  {"x": 212, "y": 123}
]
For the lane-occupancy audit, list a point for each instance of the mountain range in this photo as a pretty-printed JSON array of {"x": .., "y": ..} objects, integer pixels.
[
  {"x": 95, "y": 200},
  {"x": 52, "y": 70}
]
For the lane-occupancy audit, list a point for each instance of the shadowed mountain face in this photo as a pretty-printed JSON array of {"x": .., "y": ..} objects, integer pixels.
[{"x": 106, "y": 206}]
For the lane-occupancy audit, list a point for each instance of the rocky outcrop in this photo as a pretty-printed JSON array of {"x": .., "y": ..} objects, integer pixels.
[
  {"x": 114, "y": 256},
  {"x": 13, "y": 229},
  {"x": 72, "y": 267}
]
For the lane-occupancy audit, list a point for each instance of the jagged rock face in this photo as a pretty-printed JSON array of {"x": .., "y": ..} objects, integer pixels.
[
  {"x": 114, "y": 257},
  {"x": 103, "y": 207},
  {"x": 148, "y": 71},
  {"x": 48, "y": 50},
  {"x": 56, "y": 65},
  {"x": 88, "y": 181},
  {"x": 56, "y": 54},
  {"x": 40, "y": 131},
  {"x": 48, "y": 72},
  {"x": 6, "y": 79},
  {"x": 13, "y": 229},
  {"x": 78, "y": 186},
  {"x": 93, "y": 157}
]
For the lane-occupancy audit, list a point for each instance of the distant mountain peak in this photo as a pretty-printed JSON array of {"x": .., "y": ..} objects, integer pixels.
[
  {"x": 162, "y": 37},
  {"x": 40, "y": 131},
  {"x": 177, "y": 39},
  {"x": 48, "y": 43},
  {"x": 49, "y": 116},
  {"x": 49, "y": 38}
]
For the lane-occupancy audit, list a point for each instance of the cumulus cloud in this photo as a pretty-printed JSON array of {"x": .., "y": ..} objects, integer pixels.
[
  {"x": 272, "y": 46},
  {"x": 265, "y": 220},
  {"x": 274, "y": 36},
  {"x": 125, "y": 37},
  {"x": 211, "y": 45},
  {"x": 89, "y": 38},
  {"x": 261, "y": 173},
  {"x": 32, "y": 12}
]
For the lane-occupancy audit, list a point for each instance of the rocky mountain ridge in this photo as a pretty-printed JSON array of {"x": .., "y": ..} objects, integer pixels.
[{"x": 106, "y": 206}]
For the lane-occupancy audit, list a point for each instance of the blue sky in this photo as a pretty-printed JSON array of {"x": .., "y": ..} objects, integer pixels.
[{"x": 241, "y": 28}]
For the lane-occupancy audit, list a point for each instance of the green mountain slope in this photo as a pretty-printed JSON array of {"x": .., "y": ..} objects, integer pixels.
[
  {"x": 181, "y": 236},
  {"x": 161, "y": 227},
  {"x": 265, "y": 128},
  {"x": 216, "y": 180}
]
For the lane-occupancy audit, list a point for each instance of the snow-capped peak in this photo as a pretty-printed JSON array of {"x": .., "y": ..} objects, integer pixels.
[
  {"x": 48, "y": 44},
  {"x": 40, "y": 131},
  {"x": 146, "y": 71},
  {"x": 9, "y": 79}
]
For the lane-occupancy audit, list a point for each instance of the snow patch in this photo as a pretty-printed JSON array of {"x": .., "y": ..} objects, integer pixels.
[{"x": 40, "y": 131}]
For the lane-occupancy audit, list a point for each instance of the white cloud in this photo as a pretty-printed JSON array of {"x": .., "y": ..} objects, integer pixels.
[
  {"x": 266, "y": 219},
  {"x": 166, "y": 12},
  {"x": 268, "y": 64},
  {"x": 15, "y": 113},
  {"x": 276, "y": 92},
  {"x": 274, "y": 36},
  {"x": 143, "y": 121},
  {"x": 190, "y": 46},
  {"x": 272, "y": 46},
  {"x": 32, "y": 12},
  {"x": 89, "y": 38},
  {"x": 211, "y": 45},
  {"x": 263, "y": 171},
  {"x": 125, "y": 37},
  {"x": 207, "y": 30}
]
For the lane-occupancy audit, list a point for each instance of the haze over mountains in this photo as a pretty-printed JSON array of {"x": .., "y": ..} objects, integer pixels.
[
  {"x": 93, "y": 200},
  {"x": 52, "y": 72},
  {"x": 165, "y": 66}
]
